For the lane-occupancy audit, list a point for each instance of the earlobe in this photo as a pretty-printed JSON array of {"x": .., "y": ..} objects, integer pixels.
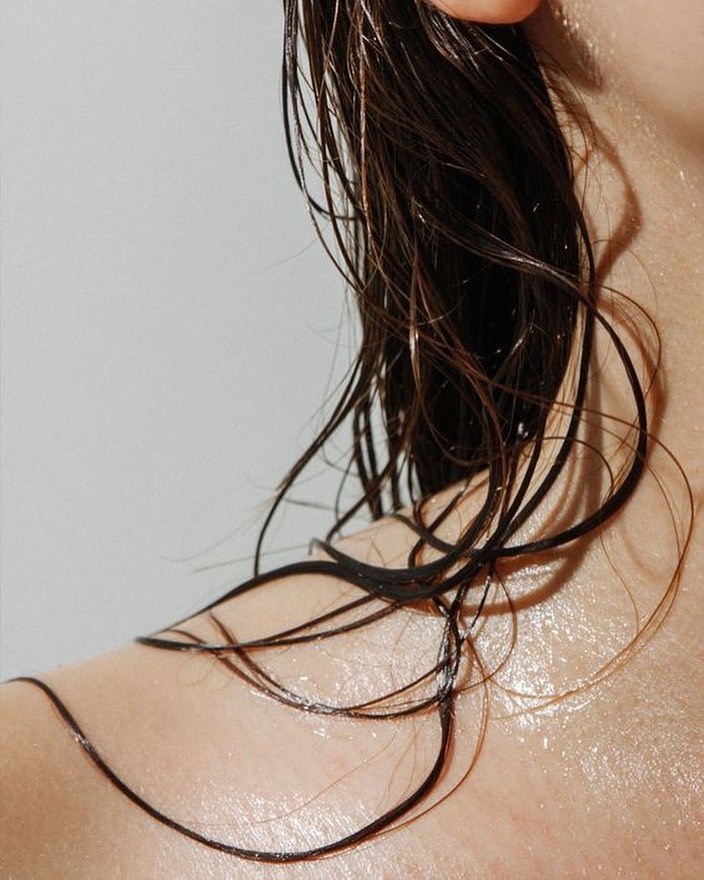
[{"x": 488, "y": 11}]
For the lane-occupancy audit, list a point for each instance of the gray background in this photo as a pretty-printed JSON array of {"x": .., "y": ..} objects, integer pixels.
[{"x": 169, "y": 325}]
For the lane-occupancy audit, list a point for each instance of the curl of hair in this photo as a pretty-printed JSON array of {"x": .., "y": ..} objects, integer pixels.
[{"x": 444, "y": 191}]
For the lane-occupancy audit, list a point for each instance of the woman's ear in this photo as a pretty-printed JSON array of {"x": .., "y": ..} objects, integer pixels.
[{"x": 488, "y": 11}]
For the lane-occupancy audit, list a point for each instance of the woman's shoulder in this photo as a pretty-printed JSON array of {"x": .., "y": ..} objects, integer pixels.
[
  {"x": 199, "y": 761},
  {"x": 50, "y": 808},
  {"x": 556, "y": 794},
  {"x": 186, "y": 748},
  {"x": 26, "y": 789},
  {"x": 62, "y": 815}
]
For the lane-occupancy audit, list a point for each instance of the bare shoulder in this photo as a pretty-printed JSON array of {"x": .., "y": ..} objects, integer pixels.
[
  {"x": 41, "y": 787},
  {"x": 208, "y": 756},
  {"x": 60, "y": 816},
  {"x": 610, "y": 781}
]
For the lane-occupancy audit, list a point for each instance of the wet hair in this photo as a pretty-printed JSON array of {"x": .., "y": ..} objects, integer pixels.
[{"x": 432, "y": 160}]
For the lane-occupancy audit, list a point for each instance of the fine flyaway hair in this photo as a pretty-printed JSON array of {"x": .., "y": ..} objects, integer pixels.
[{"x": 437, "y": 173}]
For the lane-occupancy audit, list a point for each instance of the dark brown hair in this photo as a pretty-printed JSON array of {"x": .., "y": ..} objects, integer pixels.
[
  {"x": 431, "y": 158},
  {"x": 447, "y": 190}
]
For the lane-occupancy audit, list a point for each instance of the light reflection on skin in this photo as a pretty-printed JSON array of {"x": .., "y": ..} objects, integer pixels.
[{"x": 633, "y": 735}]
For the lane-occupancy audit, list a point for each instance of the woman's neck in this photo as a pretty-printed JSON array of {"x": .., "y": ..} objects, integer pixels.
[
  {"x": 643, "y": 186},
  {"x": 645, "y": 200}
]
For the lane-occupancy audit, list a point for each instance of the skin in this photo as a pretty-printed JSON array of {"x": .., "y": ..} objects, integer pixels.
[
  {"x": 489, "y": 11},
  {"x": 608, "y": 781}
]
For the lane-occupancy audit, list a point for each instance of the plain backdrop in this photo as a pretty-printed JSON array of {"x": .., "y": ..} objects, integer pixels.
[{"x": 170, "y": 327}]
